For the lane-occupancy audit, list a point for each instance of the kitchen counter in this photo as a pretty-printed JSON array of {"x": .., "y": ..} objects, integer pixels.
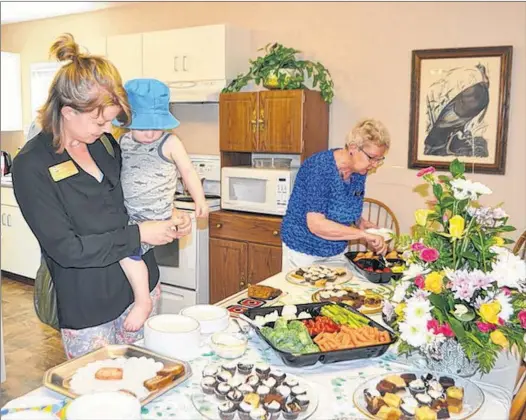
[{"x": 333, "y": 384}]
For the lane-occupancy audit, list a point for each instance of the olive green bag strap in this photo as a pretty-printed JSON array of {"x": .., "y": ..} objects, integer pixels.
[{"x": 44, "y": 296}]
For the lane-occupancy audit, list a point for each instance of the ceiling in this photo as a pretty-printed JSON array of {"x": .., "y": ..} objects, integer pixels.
[{"x": 15, "y": 11}]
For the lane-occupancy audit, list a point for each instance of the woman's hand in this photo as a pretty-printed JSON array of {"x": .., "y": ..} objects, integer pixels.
[
  {"x": 157, "y": 232},
  {"x": 366, "y": 224},
  {"x": 377, "y": 243},
  {"x": 182, "y": 224}
]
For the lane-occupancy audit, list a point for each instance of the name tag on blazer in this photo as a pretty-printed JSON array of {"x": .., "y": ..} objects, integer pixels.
[{"x": 63, "y": 170}]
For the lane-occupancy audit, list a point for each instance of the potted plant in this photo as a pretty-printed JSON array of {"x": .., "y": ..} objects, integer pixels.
[
  {"x": 461, "y": 301},
  {"x": 280, "y": 69}
]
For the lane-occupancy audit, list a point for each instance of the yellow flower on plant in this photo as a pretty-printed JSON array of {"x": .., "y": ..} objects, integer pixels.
[
  {"x": 499, "y": 338},
  {"x": 497, "y": 240},
  {"x": 399, "y": 310},
  {"x": 421, "y": 216},
  {"x": 490, "y": 312},
  {"x": 456, "y": 226},
  {"x": 434, "y": 282}
]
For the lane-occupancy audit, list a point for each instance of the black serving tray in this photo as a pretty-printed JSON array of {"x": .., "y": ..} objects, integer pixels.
[
  {"x": 379, "y": 278},
  {"x": 334, "y": 356}
]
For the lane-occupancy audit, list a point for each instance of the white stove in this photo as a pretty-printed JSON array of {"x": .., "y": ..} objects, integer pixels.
[{"x": 183, "y": 264}]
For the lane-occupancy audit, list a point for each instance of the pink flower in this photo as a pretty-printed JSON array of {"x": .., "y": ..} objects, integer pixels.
[
  {"x": 506, "y": 291},
  {"x": 420, "y": 281},
  {"x": 433, "y": 325},
  {"x": 485, "y": 327},
  {"x": 417, "y": 246},
  {"x": 429, "y": 255},
  {"x": 445, "y": 329},
  {"x": 425, "y": 171},
  {"x": 501, "y": 321},
  {"x": 522, "y": 318}
]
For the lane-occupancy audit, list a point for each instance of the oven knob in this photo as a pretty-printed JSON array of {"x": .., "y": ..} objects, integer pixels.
[{"x": 219, "y": 225}]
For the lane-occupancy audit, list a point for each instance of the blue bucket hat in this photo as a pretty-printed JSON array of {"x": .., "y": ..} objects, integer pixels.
[{"x": 149, "y": 101}]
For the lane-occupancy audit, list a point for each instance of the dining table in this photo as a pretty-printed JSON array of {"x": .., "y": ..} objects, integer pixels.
[{"x": 334, "y": 384}]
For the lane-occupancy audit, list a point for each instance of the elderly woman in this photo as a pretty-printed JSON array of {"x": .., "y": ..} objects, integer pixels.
[{"x": 325, "y": 208}]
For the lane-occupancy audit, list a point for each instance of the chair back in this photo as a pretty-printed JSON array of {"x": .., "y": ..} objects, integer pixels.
[
  {"x": 380, "y": 214},
  {"x": 520, "y": 246}
]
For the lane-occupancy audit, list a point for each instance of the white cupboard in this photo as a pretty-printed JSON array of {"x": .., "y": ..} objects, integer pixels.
[
  {"x": 94, "y": 45},
  {"x": 125, "y": 52},
  {"x": 11, "y": 92},
  {"x": 20, "y": 249}
]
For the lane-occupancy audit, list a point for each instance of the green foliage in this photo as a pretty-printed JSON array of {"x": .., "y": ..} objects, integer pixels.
[{"x": 276, "y": 58}]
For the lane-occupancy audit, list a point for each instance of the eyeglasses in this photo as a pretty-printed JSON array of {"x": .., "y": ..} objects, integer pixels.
[{"x": 372, "y": 159}]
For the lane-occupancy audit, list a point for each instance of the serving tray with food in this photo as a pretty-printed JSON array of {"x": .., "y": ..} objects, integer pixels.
[
  {"x": 327, "y": 332},
  {"x": 126, "y": 368},
  {"x": 318, "y": 276},
  {"x": 366, "y": 301},
  {"x": 376, "y": 268},
  {"x": 253, "y": 391},
  {"x": 418, "y": 395}
]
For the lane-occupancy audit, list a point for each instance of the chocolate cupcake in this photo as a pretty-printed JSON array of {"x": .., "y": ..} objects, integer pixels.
[
  {"x": 235, "y": 382},
  {"x": 434, "y": 385},
  {"x": 298, "y": 390},
  {"x": 227, "y": 410},
  {"x": 303, "y": 401},
  {"x": 230, "y": 367},
  {"x": 221, "y": 389},
  {"x": 383, "y": 387},
  {"x": 273, "y": 409},
  {"x": 284, "y": 391},
  {"x": 262, "y": 391},
  {"x": 208, "y": 384},
  {"x": 224, "y": 376},
  {"x": 278, "y": 375},
  {"x": 258, "y": 414},
  {"x": 253, "y": 381},
  {"x": 246, "y": 389},
  {"x": 210, "y": 370},
  {"x": 262, "y": 370},
  {"x": 235, "y": 396},
  {"x": 417, "y": 387},
  {"x": 245, "y": 368},
  {"x": 408, "y": 377},
  {"x": 424, "y": 399},
  {"x": 435, "y": 395},
  {"x": 291, "y": 410},
  {"x": 408, "y": 411},
  {"x": 270, "y": 382},
  {"x": 290, "y": 382},
  {"x": 446, "y": 382},
  {"x": 244, "y": 410}
]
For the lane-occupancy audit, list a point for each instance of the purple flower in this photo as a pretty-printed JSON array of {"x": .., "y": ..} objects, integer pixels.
[
  {"x": 429, "y": 255},
  {"x": 417, "y": 246},
  {"x": 465, "y": 283}
]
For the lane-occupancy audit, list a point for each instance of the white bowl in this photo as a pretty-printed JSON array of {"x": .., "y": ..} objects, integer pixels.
[
  {"x": 104, "y": 406},
  {"x": 211, "y": 318},
  {"x": 172, "y": 335}
]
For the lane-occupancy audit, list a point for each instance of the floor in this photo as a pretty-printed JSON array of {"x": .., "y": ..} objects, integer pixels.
[{"x": 31, "y": 347}]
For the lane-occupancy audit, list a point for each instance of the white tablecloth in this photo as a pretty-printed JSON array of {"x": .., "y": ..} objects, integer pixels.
[{"x": 334, "y": 383}]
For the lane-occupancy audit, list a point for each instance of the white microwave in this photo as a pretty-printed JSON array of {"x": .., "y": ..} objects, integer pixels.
[{"x": 257, "y": 190}]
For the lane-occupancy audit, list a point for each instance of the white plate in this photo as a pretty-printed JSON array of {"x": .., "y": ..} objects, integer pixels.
[
  {"x": 473, "y": 395},
  {"x": 104, "y": 406},
  {"x": 207, "y": 404},
  {"x": 29, "y": 415},
  {"x": 30, "y": 401}
]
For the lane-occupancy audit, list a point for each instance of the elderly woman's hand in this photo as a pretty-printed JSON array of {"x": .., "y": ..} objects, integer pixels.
[
  {"x": 377, "y": 243},
  {"x": 366, "y": 224}
]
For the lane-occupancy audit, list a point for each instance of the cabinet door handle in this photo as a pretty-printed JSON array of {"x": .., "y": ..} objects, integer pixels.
[
  {"x": 241, "y": 284},
  {"x": 175, "y": 63},
  {"x": 219, "y": 226},
  {"x": 261, "y": 120},
  {"x": 184, "y": 63},
  {"x": 253, "y": 121},
  {"x": 9, "y": 220},
  {"x": 275, "y": 233}
]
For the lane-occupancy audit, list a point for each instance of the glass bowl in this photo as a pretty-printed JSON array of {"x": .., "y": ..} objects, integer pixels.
[{"x": 229, "y": 345}]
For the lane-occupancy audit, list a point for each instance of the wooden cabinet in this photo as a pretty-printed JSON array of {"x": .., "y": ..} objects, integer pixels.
[
  {"x": 125, "y": 51},
  {"x": 244, "y": 248},
  {"x": 276, "y": 121},
  {"x": 11, "y": 92}
]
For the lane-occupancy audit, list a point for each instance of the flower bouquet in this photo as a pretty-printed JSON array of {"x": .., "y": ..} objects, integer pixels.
[{"x": 462, "y": 285}]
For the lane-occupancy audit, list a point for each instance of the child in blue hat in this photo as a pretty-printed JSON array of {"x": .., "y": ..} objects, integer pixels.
[{"x": 152, "y": 158}]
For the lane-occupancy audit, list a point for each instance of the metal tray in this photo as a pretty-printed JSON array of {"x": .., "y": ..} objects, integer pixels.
[
  {"x": 58, "y": 378},
  {"x": 327, "y": 356}
]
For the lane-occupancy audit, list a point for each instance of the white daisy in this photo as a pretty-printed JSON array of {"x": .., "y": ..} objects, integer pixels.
[
  {"x": 414, "y": 335},
  {"x": 418, "y": 311},
  {"x": 506, "y": 308}
]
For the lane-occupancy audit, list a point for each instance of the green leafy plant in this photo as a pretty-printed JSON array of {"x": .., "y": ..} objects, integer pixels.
[{"x": 280, "y": 69}]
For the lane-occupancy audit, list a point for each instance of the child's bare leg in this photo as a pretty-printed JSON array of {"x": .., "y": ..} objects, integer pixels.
[{"x": 137, "y": 274}]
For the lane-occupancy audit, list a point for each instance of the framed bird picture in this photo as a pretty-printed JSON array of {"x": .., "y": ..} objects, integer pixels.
[{"x": 459, "y": 108}]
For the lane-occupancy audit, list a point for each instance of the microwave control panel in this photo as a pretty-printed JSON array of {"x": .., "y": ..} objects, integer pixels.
[{"x": 282, "y": 193}]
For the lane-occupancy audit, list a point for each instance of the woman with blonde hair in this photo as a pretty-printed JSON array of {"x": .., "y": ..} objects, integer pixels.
[
  {"x": 67, "y": 182},
  {"x": 325, "y": 208}
]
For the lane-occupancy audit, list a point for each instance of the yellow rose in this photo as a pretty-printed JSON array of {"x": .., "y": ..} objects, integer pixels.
[
  {"x": 456, "y": 226},
  {"x": 497, "y": 240},
  {"x": 399, "y": 310},
  {"x": 434, "y": 282},
  {"x": 490, "y": 312},
  {"x": 421, "y": 216},
  {"x": 499, "y": 339}
]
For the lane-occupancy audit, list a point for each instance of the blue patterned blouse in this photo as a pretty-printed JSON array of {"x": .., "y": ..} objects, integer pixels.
[{"x": 319, "y": 188}]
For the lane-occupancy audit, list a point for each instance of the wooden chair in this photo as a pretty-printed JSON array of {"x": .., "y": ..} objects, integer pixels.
[
  {"x": 518, "y": 404},
  {"x": 520, "y": 246},
  {"x": 380, "y": 214}
]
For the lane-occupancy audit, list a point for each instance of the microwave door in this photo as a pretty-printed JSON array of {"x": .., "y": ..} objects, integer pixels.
[{"x": 248, "y": 193}]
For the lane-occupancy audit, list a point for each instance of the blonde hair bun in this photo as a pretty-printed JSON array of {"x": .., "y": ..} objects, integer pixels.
[{"x": 65, "y": 48}]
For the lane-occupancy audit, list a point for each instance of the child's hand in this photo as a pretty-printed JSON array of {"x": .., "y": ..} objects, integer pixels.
[{"x": 201, "y": 209}]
